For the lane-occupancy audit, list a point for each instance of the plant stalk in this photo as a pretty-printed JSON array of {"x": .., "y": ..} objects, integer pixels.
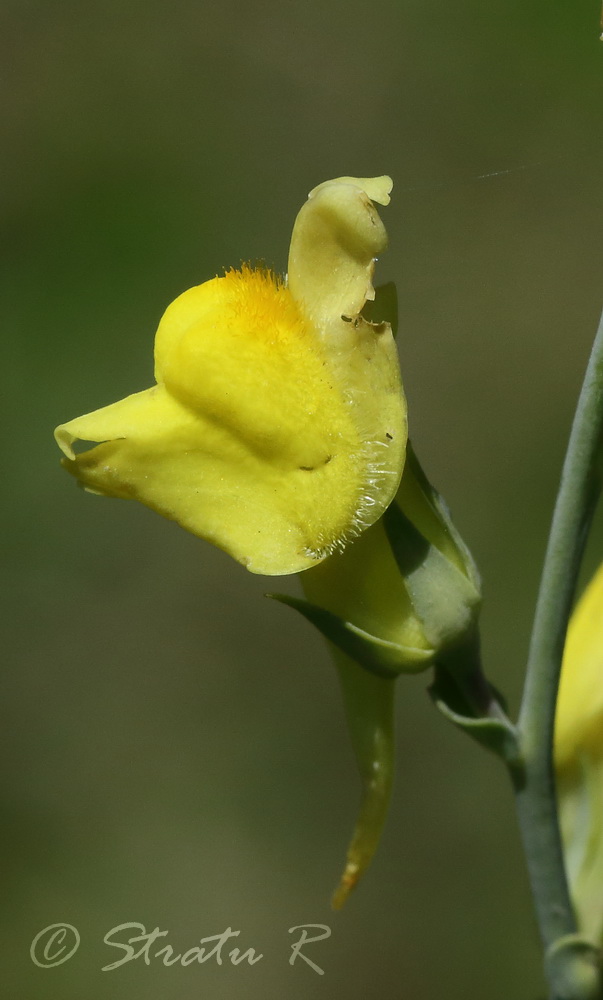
[{"x": 535, "y": 785}]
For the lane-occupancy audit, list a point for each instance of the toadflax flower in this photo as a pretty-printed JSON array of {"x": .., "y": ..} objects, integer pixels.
[
  {"x": 277, "y": 430},
  {"x": 277, "y": 426},
  {"x": 579, "y": 759}
]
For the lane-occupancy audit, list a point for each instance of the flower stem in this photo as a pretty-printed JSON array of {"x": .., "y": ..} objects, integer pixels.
[{"x": 535, "y": 784}]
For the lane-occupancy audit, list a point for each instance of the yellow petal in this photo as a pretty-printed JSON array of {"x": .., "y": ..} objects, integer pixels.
[
  {"x": 377, "y": 188},
  {"x": 238, "y": 350},
  {"x": 336, "y": 237},
  {"x": 580, "y": 796},
  {"x": 363, "y": 585},
  {"x": 196, "y": 472},
  {"x": 250, "y": 442},
  {"x": 579, "y": 718},
  {"x": 579, "y": 758}
]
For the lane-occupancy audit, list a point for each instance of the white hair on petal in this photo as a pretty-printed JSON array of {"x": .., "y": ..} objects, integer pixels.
[{"x": 361, "y": 519}]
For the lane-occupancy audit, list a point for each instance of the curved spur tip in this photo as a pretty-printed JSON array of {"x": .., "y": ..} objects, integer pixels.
[{"x": 349, "y": 880}]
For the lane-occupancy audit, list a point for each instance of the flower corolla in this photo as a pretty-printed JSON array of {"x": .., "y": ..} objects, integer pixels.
[{"x": 277, "y": 425}]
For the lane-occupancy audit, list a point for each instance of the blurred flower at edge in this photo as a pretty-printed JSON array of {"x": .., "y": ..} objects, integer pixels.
[{"x": 579, "y": 758}]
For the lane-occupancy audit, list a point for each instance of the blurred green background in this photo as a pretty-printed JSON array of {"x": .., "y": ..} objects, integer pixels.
[{"x": 174, "y": 749}]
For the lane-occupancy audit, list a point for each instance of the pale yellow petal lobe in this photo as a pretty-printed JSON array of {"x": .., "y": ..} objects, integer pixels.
[{"x": 336, "y": 237}]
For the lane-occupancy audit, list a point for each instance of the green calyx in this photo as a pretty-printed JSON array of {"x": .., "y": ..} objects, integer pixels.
[
  {"x": 404, "y": 594},
  {"x": 438, "y": 570}
]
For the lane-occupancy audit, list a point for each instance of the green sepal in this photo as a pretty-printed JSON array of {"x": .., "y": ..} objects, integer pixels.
[
  {"x": 380, "y": 657},
  {"x": 573, "y": 966},
  {"x": 472, "y": 705},
  {"x": 496, "y": 735},
  {"x": 441, "y": 511},
  {"x": 443, "y": 598}
]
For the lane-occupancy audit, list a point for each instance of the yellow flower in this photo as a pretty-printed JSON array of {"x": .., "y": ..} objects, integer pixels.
[
  {"x": 277, "y": 427},
  {"x": 579, "y": 758}
]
